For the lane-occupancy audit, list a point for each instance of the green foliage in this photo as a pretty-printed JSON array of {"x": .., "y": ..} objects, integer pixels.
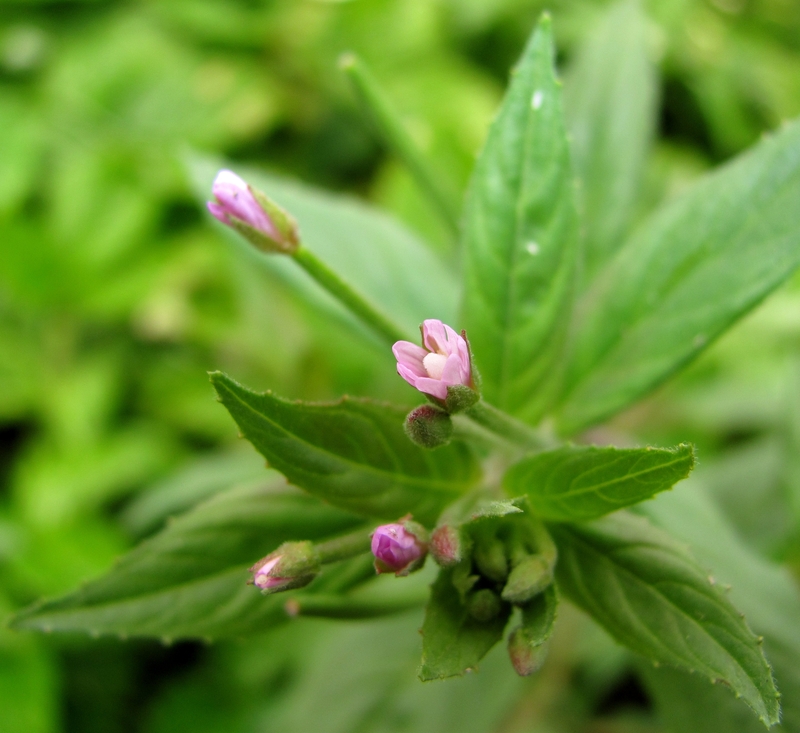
[
  {"x": 688, "y": 273},
  {"x": 116, "y": 296},
  {"x": 354, "y": 454},
  {"x": 575, "y": 483},
  {"x": 190, "y": 580},
  {"x": 521, "y": 240},
  {"x": 649, "y": 594},
  {"x": 453, "y": 642},
  {"x": 610, "y": 99}
]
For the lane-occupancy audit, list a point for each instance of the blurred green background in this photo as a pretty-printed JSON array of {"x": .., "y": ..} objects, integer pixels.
[{"x": 117, "y": 296}]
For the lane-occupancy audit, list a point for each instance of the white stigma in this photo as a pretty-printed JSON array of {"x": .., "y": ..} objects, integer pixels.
[{"x": 434, "y": 365}]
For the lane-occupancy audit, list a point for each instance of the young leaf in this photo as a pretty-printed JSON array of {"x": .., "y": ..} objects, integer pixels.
[
  {"x": 610, "y": 101},
  {"x": 575, "y": 483},
  {"x": 651, "y": 596},
  {"x": 190, "y": 580},
  {"x": 452, "y": 641},
  {"x": 694, "y": 268},
  {"x": 381, "y": 259},
  {"x": 521, "y": 240},
  {"x": 353, "y": 454}
]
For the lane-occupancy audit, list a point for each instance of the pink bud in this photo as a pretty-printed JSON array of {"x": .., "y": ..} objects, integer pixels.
[
  {"x": 253, "y": 214},
  {"x": 292, "y": 565},
  {"x": 234, "y": 198},
  {"x": 397, "y": 550},
  {"x": 261, "y": 577},
  {"x": 443, "y": 362}
]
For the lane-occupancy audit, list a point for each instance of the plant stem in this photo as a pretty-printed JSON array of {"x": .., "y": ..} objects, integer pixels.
[
  {"x": 502, "y": 424},
  {"x": 347, "y": 296},
  {"x": 342, "y": 548},
  {"x": 394, "y": 134}
]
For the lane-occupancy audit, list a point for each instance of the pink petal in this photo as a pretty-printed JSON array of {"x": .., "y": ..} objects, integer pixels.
[
  {"x": 434, "y": 336},
  {"x": 434, "y": 387},
  {"x": 217, "y": 212},
  {"x": 451, "y": 374},
  {"x": 411, "y": 356},
  {"x": 407, "y": 374}
]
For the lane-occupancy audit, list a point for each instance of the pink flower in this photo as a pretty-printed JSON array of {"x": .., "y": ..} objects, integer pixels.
[
  {"x": 234, "y": 198},
  {"x": 443, "y": 363},
  {"x": 396, "y": 549}
]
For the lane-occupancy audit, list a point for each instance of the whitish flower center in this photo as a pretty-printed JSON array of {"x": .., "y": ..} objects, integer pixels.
[{"x": 434, "y": 365}]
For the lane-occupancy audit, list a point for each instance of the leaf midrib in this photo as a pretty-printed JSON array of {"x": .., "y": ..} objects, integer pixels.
[
  {"x": 625, "y": 571},
  {"x": 628, "y": 476},
  {"x": 412, "y": 481}
]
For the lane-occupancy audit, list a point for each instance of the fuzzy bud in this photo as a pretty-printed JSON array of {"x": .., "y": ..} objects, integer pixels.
[
  {"x": 528, "y": 578},
  {"x": 483, "y": 605},
  {"x": 460, "y": 398},
  {"x": 292, "y": 565},
  {"x": 526, "y": 656},
  {"x": 399, "y": 548},
  {"x": 447, "y": 546},
  {"x": 490, "y": 557},
  {"x": 252, "y": 214},
  {"x": 429, "y": 426}
]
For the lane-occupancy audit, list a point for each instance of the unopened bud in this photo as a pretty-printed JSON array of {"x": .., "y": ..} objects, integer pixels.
[
  {"x": 429, "y": 427},
  {"x": 399, "y": 548},
  {"x": 460, "y": 397},
  {"x": 292, "y": 565},
  {"x": 526, "y": 655},
  {"x": 490, "y": 557},
  {"x": 529, "y": 578},
  {"x": 447, "y": 545},
  {"x": 253, "y": 214},
  {"x": 483, "y": 605}
]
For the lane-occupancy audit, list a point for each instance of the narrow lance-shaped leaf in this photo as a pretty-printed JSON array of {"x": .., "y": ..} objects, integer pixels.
[
  {"x": 453, "y": 642},
  {"x": 521, "y": 240},
  {"x": 610, "y": 100},
  {"x": 353, "y": 454},
  {"x": 575, "y": 483},
  {"x": 190, "y": 580},
  {"x": 694, "y": 268},
  {"x": 651, "y": 596}
]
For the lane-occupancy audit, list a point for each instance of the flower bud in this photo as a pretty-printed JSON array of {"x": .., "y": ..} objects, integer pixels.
[
  {"x": 429, "y": 427},
  {"x": 527, "y": 579},
  {"x": 483, "y": 605},
  {"x": 292, "y": 565},
  {"x": 399, "y": 548},
  {"x": 490, "y": 557},
  {"x": 526, "y": 655},
  {"x": 447, "y": 546},
  {"x": 253, "y": 214},
  {"x": 460, "y": 398}
]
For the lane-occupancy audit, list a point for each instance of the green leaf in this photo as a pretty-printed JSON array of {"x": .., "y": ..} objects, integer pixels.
[
  {"x": 353, "y": 454},
  {"x": 521, "y": 240},
  {"x": 190, "y": 580},
  {"x": 765, "y": 591},
  {"x": 452, "y": 641},
  {"x": 651, "y": 596},
  {"x": 574, "y": 483},
  {"x": 382, "y": 260},
  {"x": 610, "y": 101},
  {"x": 696, "y": 266}
]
